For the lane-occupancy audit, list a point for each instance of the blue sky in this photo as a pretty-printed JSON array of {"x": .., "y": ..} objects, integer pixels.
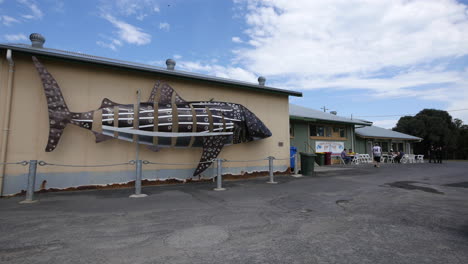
[{"x": 370, "y": 59}]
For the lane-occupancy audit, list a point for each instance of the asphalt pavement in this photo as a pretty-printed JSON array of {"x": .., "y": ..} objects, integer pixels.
[{"x": 398, "y": 213}]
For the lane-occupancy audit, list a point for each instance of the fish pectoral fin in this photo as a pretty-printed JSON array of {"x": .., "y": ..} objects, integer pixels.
[
  {"x": 101, "y": 137},
  {"x": 162, "y": 93},
  {"x": 212, "y": 146},
  {"x": 154, "y": 148}
]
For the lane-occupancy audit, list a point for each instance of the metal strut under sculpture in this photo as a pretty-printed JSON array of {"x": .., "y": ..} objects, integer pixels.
[{"x": 165, "y": 120}]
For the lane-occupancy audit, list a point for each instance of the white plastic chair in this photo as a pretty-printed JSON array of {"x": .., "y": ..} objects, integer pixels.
[
  {"x": 383, "y": 158},
  {"x": 368, "y": 158},
  {"x": 420, "y": 158},
  {"x": 405, "y": 159},
  {"x": 356, "y": 159}
]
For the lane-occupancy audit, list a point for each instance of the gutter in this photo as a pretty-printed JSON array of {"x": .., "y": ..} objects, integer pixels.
[{"x": 6, "y": 120}]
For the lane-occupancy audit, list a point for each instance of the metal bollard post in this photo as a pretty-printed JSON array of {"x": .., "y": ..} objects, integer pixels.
[
  {"x": 296, "y": 167},
  {"x": 31, "y": 183},
  {"x": 219, "y": 178},
  {"x": 139, "y": 170},
  {"x": 270, "y": 167}
]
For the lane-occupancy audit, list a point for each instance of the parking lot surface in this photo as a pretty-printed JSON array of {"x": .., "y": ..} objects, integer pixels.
[{"x": 399, "y": 213}]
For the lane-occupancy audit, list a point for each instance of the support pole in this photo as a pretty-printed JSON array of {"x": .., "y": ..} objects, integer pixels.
[
  {"x": 296, "y": 167},
  {"x": 138, "y": 162},
  {"x": 31, "y": 183},
  {"x": 138, "y": 194},
  {"x": 219, "y": 178},
  {"x": 270, "y": 166}
]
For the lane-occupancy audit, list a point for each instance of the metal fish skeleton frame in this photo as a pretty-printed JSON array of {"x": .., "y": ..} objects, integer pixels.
[{"x": 165, "y": 120}]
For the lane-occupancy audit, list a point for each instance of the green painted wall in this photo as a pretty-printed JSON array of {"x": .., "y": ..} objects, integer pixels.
[
  {"x": 301, "y": 135},
  {"x": 301, "y": 132},
  {"x": 360, "y": 145}
]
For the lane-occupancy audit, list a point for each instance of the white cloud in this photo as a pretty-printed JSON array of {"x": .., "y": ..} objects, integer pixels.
[
  {"x": 236, "y": 40},
  {"x": 129, "y": 33},
  {"x": 177, "y": 56},
  {"x": 393, "y": 49},
  {"x": 140, "y": 9},
  {"x": 8, "y": 20},
  {"x": 141, "y": 17},
  {"x": 58, "y": 6},
  {"x": 15, "y": 37},
  {"x": 36, "y": 12},
  {"x": 340, "y": 37},
  {"x": 111, "y": 44},
  {"x": 228, "y": 72},
  {"x": 164, "y": 26},
  {"x": 386, "y": 123},
  {"x": 159, "y": 63}
]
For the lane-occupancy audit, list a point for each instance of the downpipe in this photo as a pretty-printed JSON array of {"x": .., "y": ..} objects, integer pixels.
[{"x": 6, "y": 119}]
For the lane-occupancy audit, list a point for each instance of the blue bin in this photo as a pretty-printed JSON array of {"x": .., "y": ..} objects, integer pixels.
[{"x": 292, "y": 152}]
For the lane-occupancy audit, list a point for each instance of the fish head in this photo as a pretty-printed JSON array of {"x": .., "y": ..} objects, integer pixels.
[{"x": 255, "y": 129}]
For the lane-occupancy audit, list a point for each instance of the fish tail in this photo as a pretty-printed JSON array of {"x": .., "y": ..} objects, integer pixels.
[{"x": 59, "y": 114}]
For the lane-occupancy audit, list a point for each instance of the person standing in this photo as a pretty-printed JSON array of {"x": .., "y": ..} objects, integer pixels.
[
  {"x": 377, "y": 153},
  {"x": 438, "y": 155},
  {"x": 432, "y": 154}
]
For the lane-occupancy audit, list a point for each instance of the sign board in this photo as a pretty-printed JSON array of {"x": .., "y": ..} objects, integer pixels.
[{"x": 329, "y": 146}]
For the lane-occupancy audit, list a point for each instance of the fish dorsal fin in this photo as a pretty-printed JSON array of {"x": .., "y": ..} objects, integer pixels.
[
  {"x": 162, "y": 93},
  {"x": 107, "y": 103}
]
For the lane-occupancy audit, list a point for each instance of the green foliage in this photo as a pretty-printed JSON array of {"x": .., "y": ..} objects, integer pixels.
[{"x": 438, "y": 129}]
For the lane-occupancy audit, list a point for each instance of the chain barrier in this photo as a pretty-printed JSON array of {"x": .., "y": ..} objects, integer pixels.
[
  {"x": 24, "y": 163},
  {"x": 245, "y": 160},
  {"x": 131, "y": 162},
  {"x": 43, "y": 163},
  {"x": 138, "y": 163},
  {"x": 162, "y": 163}
]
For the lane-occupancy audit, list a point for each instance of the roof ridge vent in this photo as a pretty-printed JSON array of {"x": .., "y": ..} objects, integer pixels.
[
  {"x": 261, "y": 81},
  {"x": 37, "y": 40},
  {"x": 170, "y": 63}
]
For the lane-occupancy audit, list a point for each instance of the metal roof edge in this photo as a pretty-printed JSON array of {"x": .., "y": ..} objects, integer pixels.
[
  {"x": 302, "y": 118},
  {"x": 295, "y": 117},
  {"x": 362, "y": 136},
  {"x": 178, "y": 74}
]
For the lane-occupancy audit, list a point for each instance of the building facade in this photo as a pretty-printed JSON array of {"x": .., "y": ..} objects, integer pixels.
[
  {"x": 386, "y": 138},
  {"x": 85, "y": 81},
  {"x": 316, "y": 131}
]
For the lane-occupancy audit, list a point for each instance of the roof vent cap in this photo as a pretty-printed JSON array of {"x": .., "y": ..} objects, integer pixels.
[
  {"x": 170, "y": 63},
  {"x": 37, "y": 40},
  {"x": 261, "y": 81},
  {"x": 333, "y": 112}
]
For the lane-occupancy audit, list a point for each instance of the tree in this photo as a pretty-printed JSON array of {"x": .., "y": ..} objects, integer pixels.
[{"x": 437, "y": 128}]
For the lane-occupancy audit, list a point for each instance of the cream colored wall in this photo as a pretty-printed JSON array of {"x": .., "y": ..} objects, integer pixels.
[
  {"x": 85, "y": 85},
  {"x": 3, "y": 86}
]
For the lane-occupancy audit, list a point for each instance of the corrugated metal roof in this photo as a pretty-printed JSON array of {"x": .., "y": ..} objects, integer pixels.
[
  {"x": 380, "y": 132},
  {"x": 308, "y": 113},
  {"x": 144, "y": 67}
]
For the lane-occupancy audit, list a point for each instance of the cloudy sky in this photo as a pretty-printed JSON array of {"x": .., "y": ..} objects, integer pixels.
[{"x": 371, "y": 59}]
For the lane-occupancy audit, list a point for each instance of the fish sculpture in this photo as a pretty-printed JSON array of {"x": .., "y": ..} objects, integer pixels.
[{"x": 165, "y": 120}]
